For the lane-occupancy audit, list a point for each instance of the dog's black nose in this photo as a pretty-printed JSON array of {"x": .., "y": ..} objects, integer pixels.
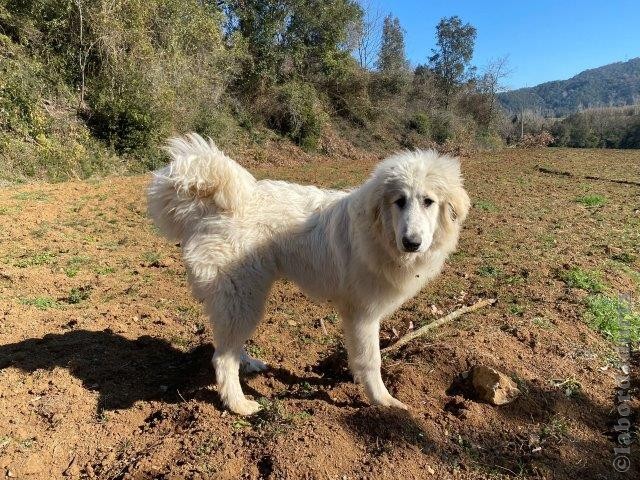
[{"x": 410, "y": 245}]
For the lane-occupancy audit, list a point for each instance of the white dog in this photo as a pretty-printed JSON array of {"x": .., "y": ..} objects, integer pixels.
[{"x": 366, "y": 251}]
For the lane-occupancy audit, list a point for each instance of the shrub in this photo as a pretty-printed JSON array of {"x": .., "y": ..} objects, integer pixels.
[
  {"x": 391, "y": 83},
  {"x": 296, "y": 112},
  {"x": 631, "y": 137},
  {"x": 21, "y": 84},
  {"x": 78, "y": 295},
  {"x": 441, "y": 126},
  {"x": 489, "y": 140},
  {"x": 127, "y": 114},
  {"x": 532, "y": 140},
  {"x": 347, "y": 88},
  {"x": 421, "y": 123}
]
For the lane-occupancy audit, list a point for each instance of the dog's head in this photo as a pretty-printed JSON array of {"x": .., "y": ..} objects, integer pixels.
[{"x": 418, "y": 202}]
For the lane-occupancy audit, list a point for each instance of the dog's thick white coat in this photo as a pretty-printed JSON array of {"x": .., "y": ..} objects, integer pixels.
[{"x": 239, "y": 235}]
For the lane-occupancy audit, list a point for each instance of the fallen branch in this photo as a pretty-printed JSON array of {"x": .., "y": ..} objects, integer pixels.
[
  {"x": 586, "y": 177},
  {"x": 436, "y": 323}
]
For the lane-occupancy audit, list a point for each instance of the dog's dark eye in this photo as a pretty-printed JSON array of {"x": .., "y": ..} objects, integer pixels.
[
  {"x": 427, "y": 201},
  {"x": 401, "y": 202}
]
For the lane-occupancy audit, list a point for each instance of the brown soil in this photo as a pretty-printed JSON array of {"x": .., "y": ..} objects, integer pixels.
[{"x": 105, "y": 357}]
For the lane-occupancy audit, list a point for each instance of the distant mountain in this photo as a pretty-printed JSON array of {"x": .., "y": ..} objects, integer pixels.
[{"x": 616, "y": 84}]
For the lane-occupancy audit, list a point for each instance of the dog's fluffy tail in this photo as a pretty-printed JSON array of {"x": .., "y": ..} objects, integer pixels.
[{"x": 200, "y": 180}]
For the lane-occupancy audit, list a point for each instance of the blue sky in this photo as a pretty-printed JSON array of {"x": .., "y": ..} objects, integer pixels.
[{"x": 544, "y": 39}]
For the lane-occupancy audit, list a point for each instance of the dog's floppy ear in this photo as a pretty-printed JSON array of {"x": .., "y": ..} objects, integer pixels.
[
  {"x": 375, "y": 201},
  {"x": 454, "y": 207},
  {"x": 459, "y": 204}
]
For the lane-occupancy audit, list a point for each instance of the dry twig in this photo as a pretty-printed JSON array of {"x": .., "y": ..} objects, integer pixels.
[{"x": 452, "y": 316}]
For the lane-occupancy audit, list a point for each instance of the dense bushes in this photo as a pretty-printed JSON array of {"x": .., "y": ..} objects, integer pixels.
[
  {"x": 600, "y": 128},
  {"x": 21, "y": 84},
  {"x": 40, "y": 135},
  {"x": 297, "y": 113},
  {"x": 614, "y": 127},
  {"x": 129, "y": 72},
  {"x": 92, "y": 86}
]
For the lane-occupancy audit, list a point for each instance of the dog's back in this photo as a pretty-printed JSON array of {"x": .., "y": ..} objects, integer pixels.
[{"x": 203, "y": 183}]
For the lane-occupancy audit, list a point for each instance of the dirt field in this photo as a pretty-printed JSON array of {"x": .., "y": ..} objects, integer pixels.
[{"x": 105, "y": 357}]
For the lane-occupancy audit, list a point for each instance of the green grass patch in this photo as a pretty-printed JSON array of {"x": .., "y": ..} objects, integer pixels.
[
  {"x": 41, "y": 258},
  {"x": 517, "y": 309},
  {"x": 104, "y": 270},
  {"x": 543, "y": 323},
  {"x": 74, "y": 264},
  {"x": 78, "y": 295},
  {"x": 35, "y": 196},
  {"x": 152, "y": 259},
  {"x": 485, "y": 206},
  {"x": 273, "y": 419},
  {"x": 208, "y": 446},
  {"x": 548, "y": 240},
  {"x": 624, "y": 257},
  {"x": 41, "y": 303},
  {"x": 556, "y": 429},
  {"x": 611, "y": 316},
  {"x": 241, "y": 423},
  {"x": 489, "y": 271},
  {"x": 331, "y": 318},
  {"x": 592, "y": 200},
  {"x": 583, "y": 279},
  {"x": 182, "y": 343},
  {"x": 188, "y": 313},
  {"x": 255, "y": 351}
]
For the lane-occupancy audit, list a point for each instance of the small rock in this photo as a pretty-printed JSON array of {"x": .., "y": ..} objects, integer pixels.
[
  {"x": 89, "y": 472},
  {"x": 430, "y": 470},
  {"x": 492, "y": 386},
  {"x": 10, "y": 474}
]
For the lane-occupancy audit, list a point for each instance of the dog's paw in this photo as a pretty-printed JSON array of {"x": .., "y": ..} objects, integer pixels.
[
  {"x": 392, "y": 402},
  {"x": 252, "y": 365},
  {"x": 245, "y": 407}
]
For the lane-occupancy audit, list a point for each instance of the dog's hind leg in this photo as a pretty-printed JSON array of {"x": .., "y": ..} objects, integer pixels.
[
  {"x": 235, "y": 311},
  {"x": 363, "y": 346},
  {"x": 248, "y": 364}
]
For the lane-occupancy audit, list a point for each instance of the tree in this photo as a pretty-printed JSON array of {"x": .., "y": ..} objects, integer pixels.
[
  {"x": 317, "y": 34},
  {"x": 490, "y": 83},
  {"x": 392, "y": 58},
  {"x": 365, "y": 36},
  {"x": 451, "y": 59},
  {"x": 290, "y": 38},
  {"x": 262, "y": 25}
]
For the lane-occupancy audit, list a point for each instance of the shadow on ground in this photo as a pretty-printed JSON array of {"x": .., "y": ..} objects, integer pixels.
[{"x": 123, "y": 371}]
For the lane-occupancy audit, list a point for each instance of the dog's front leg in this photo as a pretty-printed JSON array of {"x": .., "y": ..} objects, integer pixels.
[{"x": 363, "y": 346}]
